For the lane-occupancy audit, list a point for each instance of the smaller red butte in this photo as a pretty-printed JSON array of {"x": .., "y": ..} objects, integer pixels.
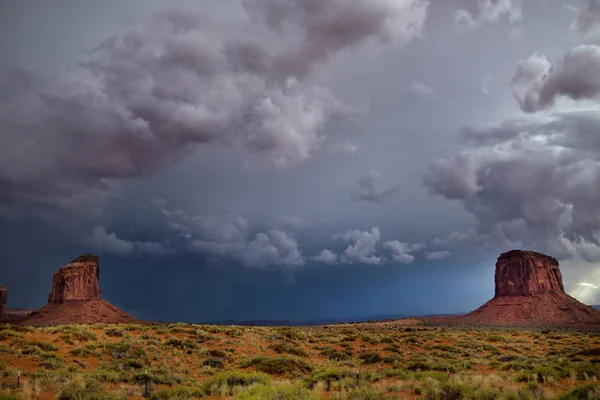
[{"x": 3, "y": 300}]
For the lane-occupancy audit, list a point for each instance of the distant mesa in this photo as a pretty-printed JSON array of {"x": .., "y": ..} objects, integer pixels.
[
  {"x": 3, "y": 300},
  {"x": 76, "y": 298},
  {"x": 529, "y": 292}
]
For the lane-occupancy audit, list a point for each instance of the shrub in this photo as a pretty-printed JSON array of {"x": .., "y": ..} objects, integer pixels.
[
  {"x": 227, "y": 383},
  {"x": 53, "y": 361},
  {"x": 291, "y": 333},
  {"x": 84, "y": 391},
  {"x": 280, "y": 348},
  {"x": 216, "y": 353},
  {"x": 7, "y": 333},
  {"x": 336, "y": 355},
  {"x": 371, "y": 358},
  {"x": 586, "y": 392},
  {"x": 363, "y": 394},
  {"x": 124, "y": 350},
  {"x": 4, "y": 396},
  {"x": 185, "y": 344},
  {"x": 281, "y": 365},
  {"x": 328, "y": 376},
  {"x": 213, "y": 363},
  {"x": 114, "y": 332},
  {"x": 36, "y": 347},
  {"x": 592, "y": 351},
  {"x": 266, "y": 392},
  {"x": 178, "y": 393}
]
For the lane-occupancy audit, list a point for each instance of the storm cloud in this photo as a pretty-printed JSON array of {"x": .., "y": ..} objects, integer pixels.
[
  {"x": 534, "y": 182},
  {"x": 146, "y": 97}
]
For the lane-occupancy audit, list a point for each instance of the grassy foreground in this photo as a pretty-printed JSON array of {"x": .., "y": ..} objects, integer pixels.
[{"x": 394, "y": 360}]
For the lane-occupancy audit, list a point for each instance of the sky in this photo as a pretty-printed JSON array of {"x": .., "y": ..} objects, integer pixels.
[{"x": 297, "y": 159}]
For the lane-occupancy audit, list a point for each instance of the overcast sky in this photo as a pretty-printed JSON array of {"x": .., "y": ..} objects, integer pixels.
[{"x": 297, "y": 159}]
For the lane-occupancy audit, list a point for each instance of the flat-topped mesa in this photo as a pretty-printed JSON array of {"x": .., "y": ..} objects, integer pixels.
[
  {"x": 3, "y": 300},
  {"x": 526, "y": 273},
  {"x": 77, "y": 281}
]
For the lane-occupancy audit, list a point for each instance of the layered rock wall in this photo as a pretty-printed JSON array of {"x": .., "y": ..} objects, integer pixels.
[
  {"x": 3, "y": 300},
  {"x": 77, "y": 281},
  {"x": 526, "y": 273}
]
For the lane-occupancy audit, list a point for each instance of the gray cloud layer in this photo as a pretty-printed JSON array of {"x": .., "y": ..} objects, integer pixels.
[
  {"x": 535, "y": 182},
  {"x": 145, "y": 98}
]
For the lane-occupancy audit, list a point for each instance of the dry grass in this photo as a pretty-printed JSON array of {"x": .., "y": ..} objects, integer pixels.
[{"x": 393, "y": 360}]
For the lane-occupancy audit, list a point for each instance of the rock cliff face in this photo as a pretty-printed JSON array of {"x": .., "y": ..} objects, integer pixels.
[
  {"x": 76, "y": 298},
  {"x": 77, "y": 281},
  {"x": 524, "y": 273},
  {"x": 529, "y": 292},
  {"x": 3, "y": 300}
]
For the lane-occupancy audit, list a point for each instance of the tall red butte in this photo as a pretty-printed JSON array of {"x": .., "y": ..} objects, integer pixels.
[
  {"x": 529, "y": 291},
  {"x": 76, "y": 298}
]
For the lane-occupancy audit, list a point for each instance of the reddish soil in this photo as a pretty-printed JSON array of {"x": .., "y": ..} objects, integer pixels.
[
  {"x": 79, "y": 312},
  {"x": 541, "y": 309}
]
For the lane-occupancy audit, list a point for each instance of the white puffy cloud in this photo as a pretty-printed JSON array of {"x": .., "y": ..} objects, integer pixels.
[
  {"x": 270, "y": 249},
  {"x": 400, "y": 251},
  {"x": 363, "y": 246},
  {"x": 326, "y": 256}
]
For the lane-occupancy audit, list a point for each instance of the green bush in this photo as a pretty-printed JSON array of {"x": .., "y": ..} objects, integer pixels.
[
  {"x": 291, "y": 333},
  {"x": 336, "y": 355},
  {"x": 86, "y": 391},
  {"x": 362, "y": 394},
  {"x": 229, "y": 382},
  {"x": 124, "y": 350},
  {"x": 328, "y": 376},
  {"x": 53, "y": 361},
  {"x": 8, "y": 397},
  {"x": 266, "y": 392},
  {"x": 281, "y": 365},
  {"x": 7, "y": 333},
  {"x": 371, "y": 358},
  {"x": 213, "y": 363},
  {"x": 114, "y": 332},
  {"x": 185, "y": 344},
  {"x": 591, "y": 391},
  {"x": 281, "y": 348},
  {"x": 178, "y": 393}
]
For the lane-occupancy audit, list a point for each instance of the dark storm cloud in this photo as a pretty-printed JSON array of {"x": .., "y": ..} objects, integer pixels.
[
  {"x": 537, "y": 83},
  {"x": 146, "y": 97},
  {"x": 374, "y": 188},
  {"x": 537, "y": 187},
  {"x": 588, "y": 15},
  {"x": 472, "y": 13}
]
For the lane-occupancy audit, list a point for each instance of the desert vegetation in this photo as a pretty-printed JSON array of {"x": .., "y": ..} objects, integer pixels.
[{"x": 386, "y": 360}]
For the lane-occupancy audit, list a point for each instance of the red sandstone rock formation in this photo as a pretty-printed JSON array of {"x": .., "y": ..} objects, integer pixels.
[
  {"x": 529, "y": 292},
  {"x": 523, "y": 273},
  {"x": 76, "y": 298},
  {"x": 3, "y": 300},
  {"x": 77, "y": 281}
]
